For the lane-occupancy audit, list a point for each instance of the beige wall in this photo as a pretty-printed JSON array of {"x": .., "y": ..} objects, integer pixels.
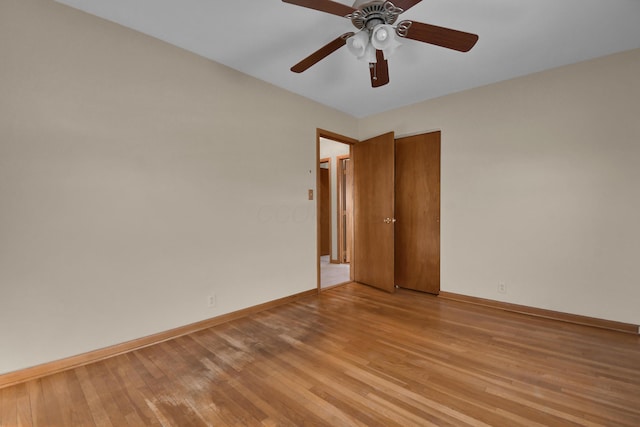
[
  {"x": 540, "y": 186},
  {"x": 135, "y": 180}
]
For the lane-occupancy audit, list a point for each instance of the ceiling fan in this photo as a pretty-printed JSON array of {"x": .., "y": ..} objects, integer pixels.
[{"x": 377, "y": 37}]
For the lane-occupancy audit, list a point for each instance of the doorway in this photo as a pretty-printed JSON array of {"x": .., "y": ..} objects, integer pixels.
[
  {"x": 335, "y": 202},
  {"x": 395, "y": 201}
]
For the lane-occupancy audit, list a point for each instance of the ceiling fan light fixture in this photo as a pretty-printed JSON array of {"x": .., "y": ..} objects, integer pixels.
[
  {"x": 358, "y": 43},
  {"x": 363, "y": 44},
  {"x": 380, "y": 35},
  {"x": 383, "y": 37}
]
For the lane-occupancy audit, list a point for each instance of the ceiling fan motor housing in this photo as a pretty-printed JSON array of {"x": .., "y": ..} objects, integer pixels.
[{"x": 372, "y": 13}]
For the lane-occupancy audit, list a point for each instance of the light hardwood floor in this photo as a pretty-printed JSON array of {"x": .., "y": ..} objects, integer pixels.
[{"x": 353, "y": 356}]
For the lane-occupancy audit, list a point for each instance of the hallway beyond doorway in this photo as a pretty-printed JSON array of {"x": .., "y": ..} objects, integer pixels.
[{"x": 333, "y": 274}]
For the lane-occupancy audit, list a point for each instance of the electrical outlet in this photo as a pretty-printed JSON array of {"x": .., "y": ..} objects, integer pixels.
[
  {"x": 502, "y": 287},
  {"x": 211, "y": 300}
]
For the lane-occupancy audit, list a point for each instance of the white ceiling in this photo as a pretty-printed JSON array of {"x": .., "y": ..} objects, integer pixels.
[{"x": 264, "y": 38}]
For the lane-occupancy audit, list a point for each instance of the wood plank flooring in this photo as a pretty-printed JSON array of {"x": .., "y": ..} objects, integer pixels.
[{"x": 353, "y": 356}]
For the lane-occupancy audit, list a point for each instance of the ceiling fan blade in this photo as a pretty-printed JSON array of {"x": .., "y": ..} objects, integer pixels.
[
  {"x": 327, "y": 6},
  {"x": 405, "y": 4},
  {"x": 440, "y": 36},
  {"x": 379, "y": 71},
  {"x": 321, "y": 53}
]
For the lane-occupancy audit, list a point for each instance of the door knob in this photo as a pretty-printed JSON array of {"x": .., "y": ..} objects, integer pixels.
[{"x": 389, "y": 220}]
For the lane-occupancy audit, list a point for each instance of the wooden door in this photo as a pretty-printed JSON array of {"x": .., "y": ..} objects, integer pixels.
[
  {"x": 324, "y": 199},
  {"x": 417, "y": 208},
  {"x": 373, "y": 164}
]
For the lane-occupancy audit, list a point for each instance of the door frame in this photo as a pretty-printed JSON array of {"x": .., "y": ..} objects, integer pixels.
[
  {"x": 319, "y": 197},
  {"x": 322, "y": 133},
  {"x": 343, "y": 247}
]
